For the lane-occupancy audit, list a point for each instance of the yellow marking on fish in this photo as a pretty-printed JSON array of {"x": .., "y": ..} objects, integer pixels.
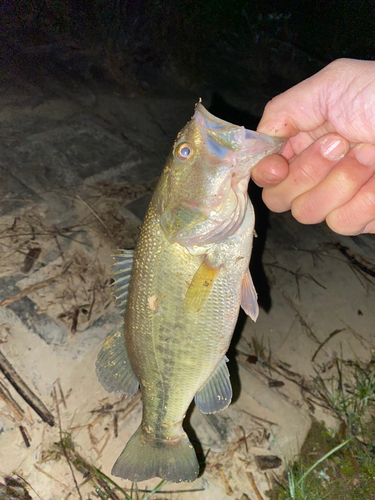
[{"x": 200, "y": 286}]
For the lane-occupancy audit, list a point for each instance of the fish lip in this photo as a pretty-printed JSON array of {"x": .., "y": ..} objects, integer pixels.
[
  {"x": 209, "y": 123},
  {"x": 276, "y": 143},
  {"x": 267, "y": 145},
  {"x": 200, "y": 109}
]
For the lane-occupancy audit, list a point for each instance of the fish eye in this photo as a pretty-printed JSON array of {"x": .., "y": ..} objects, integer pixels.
[{"x": 183, "y": 151}]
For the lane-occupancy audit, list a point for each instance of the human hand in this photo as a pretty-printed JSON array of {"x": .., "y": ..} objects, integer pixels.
[{"x": 327, "y": 168}]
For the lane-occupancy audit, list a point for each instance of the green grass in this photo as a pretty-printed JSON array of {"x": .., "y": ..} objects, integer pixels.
[
  {"x": 104, "y": 487},
  {"x": 341, "y": 466},
  {"x": 133, "y": 494},
  {"x": 345, "y": 473}
]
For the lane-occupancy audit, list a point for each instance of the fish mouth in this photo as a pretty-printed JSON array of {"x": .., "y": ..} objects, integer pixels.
[{"x": 223, "y": 139}]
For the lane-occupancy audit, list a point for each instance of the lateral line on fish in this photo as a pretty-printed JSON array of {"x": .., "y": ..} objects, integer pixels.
[{"x": 158, "y": 367}]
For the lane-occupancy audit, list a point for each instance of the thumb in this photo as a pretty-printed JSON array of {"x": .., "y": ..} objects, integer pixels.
[
  {"x": 339, "y": 98},
  {"x": 294, "y": 111}
]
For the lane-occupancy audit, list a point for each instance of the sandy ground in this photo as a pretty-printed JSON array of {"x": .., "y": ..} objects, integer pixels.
[{"x": 78, "y": 166}]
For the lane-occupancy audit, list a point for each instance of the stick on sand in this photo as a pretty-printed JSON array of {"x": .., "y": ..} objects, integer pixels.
[{"x": 24, "y": 391}]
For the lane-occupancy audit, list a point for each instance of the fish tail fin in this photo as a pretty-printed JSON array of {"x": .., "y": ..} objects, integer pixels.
[{"x": 144, "y": 458}]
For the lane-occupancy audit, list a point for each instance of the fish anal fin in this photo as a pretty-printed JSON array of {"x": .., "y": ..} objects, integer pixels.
[
  {"x": 200, "y": 286},
  {"x": 216, "y": 394},
  {"x": 249, "y": 298},
  {"x": 113, "y": 367}
]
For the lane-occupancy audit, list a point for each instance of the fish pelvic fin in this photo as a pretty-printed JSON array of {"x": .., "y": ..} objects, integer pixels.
[
  {"x": 249, "y": 297},
  {"x": 113, "y": 367},
  {"x": 122, "y": 269},
  {"x": 216, "y": 394},
  {"x": 144, "y": 457}
]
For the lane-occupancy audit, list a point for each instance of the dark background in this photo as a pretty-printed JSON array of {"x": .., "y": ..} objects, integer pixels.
[{"x": 169, "y": 45}]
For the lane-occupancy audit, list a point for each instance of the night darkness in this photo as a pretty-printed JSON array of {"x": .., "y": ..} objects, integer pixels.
[{"x": 273, "y": 44}]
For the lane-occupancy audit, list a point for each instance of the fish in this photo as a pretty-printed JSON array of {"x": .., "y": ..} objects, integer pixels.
[{"x": 180, "y": 292}]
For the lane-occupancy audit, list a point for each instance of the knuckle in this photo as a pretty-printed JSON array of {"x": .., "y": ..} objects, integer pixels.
[
  {"x": 346, "y": 182},
  {"x": 339, "y": 221},
  {"x": 269, "y": 107},
  {"x": 341, "y": 61},
  {"x": 368, "y": 199},
  {"x": 308, "y": 173},
  {"x": 340, "y": 65},
  {"x": 303, "y": 211},
  {"x": 274, "y": 202},
  {"x": 369, "y": 228}
]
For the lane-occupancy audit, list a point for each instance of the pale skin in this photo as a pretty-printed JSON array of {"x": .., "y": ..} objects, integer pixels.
[{"x": 327, "y": 169}]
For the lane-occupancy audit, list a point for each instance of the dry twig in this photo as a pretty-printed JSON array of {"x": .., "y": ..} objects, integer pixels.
[
  {"x": 28, "y": 484},
  {"x": 25, "y": 436},
  {"x": 61, "y": 392},
  {"x": 254, "y": 486},
  {"x": 95, "y": 215},
  {"x": 13, "y": 405},
  {"x": 30, "y": 259},
  {"x": 26, "y": 291},
  {"x": 225, "y": 480},
  {"x": 24, "y": 391},
  {"x": 355, "y": 262},
  {"x": 301, "y": 319},
  {"x": 335, "y": 332},
  {"x": 54, "y": 479}
]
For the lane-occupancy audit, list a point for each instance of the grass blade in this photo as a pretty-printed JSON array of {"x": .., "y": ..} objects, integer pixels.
[
  {"x": 157, "y": 487},
  {"x": 322, "y": 460}
]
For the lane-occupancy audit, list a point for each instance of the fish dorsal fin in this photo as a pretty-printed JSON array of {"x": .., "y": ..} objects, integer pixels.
[
  {"x": 200, "y": 286},
  {"x": 249, "y": 302},
  {"x": 113, "y": 367},
  {"x": 122, "y": 269},
  {"x": 216, "y": 394}
]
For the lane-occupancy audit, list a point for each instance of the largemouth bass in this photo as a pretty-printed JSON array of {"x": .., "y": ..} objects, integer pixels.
[{"x": 181, "y": 292}]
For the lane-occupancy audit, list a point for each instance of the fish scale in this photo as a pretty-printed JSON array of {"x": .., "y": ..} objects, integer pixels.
[
  {"x": 189, "y": 277},
  {"x": 171, "y": 356}
]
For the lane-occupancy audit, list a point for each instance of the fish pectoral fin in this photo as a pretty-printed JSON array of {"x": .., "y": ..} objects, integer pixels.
[
  {"x": 249, "y": 298},
  {"x": 113, "y": 367},
  {"x": 216, "y": 394},
  {"x": 200, "y": 286},
  {"x": 122, "y": 269}
]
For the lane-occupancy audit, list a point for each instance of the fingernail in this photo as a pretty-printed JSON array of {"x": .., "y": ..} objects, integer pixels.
[
  {"x": 333, "y": 149},
  {"x": 366, "y": 154}
]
